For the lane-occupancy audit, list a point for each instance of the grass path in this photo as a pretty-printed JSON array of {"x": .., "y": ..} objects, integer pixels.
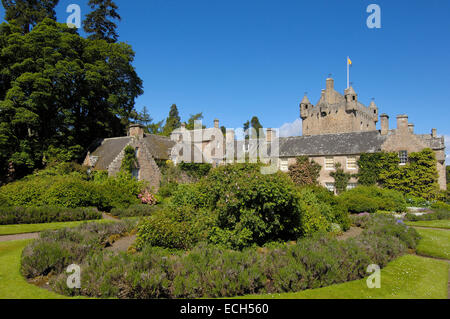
[
  {"x": 435, "y": 243},
  {"x": 34, "y": 228},
  {"x": 444, "y": 224},
  {"x": 408, "y": 277},
  {"x": 12, "y": 284}
]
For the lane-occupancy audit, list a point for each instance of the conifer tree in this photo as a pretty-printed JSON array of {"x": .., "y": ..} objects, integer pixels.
[
  {"x": 99, "y": 24},
  {"x": 173, "y": 121}
]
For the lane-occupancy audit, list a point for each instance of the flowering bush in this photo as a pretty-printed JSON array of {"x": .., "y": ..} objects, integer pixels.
[{"x": 147, "y": 198}]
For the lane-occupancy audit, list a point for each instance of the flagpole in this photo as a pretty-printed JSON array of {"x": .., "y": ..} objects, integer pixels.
[{"x": 348, "y": 73}]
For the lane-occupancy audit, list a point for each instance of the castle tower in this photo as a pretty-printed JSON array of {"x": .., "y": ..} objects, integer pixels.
[
  {"x": 305, "y": 107},
  {"x": 337, "y": 113}
]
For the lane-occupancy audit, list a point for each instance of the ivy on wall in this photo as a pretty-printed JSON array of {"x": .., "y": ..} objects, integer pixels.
[
  {"x": 419, "y": 177},
  {"x": 341, "y": 178},
  {"x": 129, "y": 161}
]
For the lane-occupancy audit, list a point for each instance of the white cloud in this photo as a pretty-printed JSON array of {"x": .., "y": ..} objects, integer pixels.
[{"x": 291, "y": 129}]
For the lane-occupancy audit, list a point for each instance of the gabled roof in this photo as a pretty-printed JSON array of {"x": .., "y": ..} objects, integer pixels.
[{"x": 105, "y": 151}]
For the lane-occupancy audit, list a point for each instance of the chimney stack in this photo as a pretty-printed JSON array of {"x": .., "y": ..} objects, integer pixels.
[
  {"x": 183, "y": 125},
  {"x": 271, "y": 134},
  {"x": 402, "y": 123},
  {"x": 330, "y": 84},
  {"x": 434, "y": 133},
  {"x": 136, "y": 130},
  {"x": 384, "y": 124},
  {"x": 411, "y": 128},
  {"x": 230, "y": 136},
  {"x": 216, "y": 123}
]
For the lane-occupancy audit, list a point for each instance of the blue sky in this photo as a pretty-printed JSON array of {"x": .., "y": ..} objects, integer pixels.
[{"x": 238, "y": 58}]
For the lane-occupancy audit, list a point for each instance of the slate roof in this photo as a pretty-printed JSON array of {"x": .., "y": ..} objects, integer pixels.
[
  {"x": 332, "y": 144},
  {"x": 108, "y": 149}
]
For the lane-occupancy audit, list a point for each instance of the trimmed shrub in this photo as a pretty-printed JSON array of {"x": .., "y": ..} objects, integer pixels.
[
  {"x": 371, "y": 198},
  {"x": 37, "y": 215}
]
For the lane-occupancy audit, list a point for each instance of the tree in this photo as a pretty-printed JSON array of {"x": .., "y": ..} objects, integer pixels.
[
  {"x": 173, "y": 121},
  {"x": 60, "y": 92},
  {"x": 341, "y": 178},
  {"x": 448, "y": 174},
  {"x": 246, "y": 130},
  {"x": 305, "y": 171},
  {"x": 256, "y": 125},
  {"x": 98, "y": 22},
  {"x": 27, "y": 13},
  {"x": 191, "y": 122}
]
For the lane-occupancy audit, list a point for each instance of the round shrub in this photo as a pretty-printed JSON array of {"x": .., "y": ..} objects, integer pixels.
[{"x": 371, "y": 198}]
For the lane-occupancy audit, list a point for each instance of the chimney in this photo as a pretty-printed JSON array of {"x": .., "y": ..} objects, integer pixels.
[
  {"x": 216, "y": 123},
  {"x": 384, "y": 124},
  {"x": 271, "y": 134},
  {"x": 434, "y": 133},
  {"x": 136, "y": 130},
  {"x": 402, "y": 123},
  {"x": 411, "y": 128},
  {"x": 183, "y": 125},
  {"x": 330, "y": 84}
]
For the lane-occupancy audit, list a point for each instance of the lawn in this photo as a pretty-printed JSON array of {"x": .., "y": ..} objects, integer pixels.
[
  {"x": 434, "y": 243},
  {"x": 33, "y": 228},
  {"x": 408, "y": 277},
  {"x": 431, "y": 223},
  {"x": 12, "y": 284}
]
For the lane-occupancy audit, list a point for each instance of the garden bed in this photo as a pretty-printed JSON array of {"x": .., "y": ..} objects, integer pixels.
[{"x": 210, "y": 271}]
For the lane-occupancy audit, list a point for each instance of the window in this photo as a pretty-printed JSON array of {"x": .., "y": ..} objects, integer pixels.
[
  {"x": 330, "y": 186},
  {"x": 329, "y": 163},
  {"x": 351, "y": 185},
  {"x": 403, "y": 157},
  {"x": 284, "y": 165},
  {"x": 135, "y": 173},
  {"x": 351, "y": 163}
]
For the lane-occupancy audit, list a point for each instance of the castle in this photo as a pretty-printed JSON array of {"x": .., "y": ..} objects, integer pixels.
[{"x": 338, "y": 129}]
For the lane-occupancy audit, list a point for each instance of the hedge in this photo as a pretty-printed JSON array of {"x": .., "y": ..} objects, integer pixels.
[
  {"x": 209, "y": 271},
  {"x": 134, "y": 211},
  {"x": 38, "y": 215}
]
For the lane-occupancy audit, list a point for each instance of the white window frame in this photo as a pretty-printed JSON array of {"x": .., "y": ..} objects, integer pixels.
[
  {"x": 401, "y": 157},
  {"x": 352, "y": 186},
  {"x": 355, "y": 163},
  {"x": 331, "y": 187},
  {"x": 284, "y": 164},
  {"x": 325, "y": 163}
]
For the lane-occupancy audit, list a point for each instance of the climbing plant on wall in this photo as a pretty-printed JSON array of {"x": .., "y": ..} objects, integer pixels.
[
  {"x": 129, "y": 161},
  {"x": 341, "y": 178},
  {"x": 419, "y": 177}
]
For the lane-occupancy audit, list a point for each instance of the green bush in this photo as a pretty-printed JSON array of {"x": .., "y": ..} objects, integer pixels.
[
  {"x": 371, "y": 198},
  {"x": 4, "y": 201},
  {"x": 134, "y": 211},
  {"x": 72, "y": 191},
  {"x": 210, "y": 271},
  {"x": 37, "y": 215}
]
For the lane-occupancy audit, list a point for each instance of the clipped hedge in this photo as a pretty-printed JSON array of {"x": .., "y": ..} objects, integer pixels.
[
  {"x": 38, "y": 215},
  {"x": 209, "y": 271},
  {"x": 371, "y": 198}
]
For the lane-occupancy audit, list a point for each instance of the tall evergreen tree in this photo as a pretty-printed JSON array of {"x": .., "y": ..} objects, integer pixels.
[
  {"x": 173, "y": 121},
  {"x": 27, "y": 13},
  {"x": 99, "y": 24}
]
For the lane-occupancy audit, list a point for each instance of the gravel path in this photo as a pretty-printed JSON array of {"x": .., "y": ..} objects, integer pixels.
[{"x": 19, "y": 237}]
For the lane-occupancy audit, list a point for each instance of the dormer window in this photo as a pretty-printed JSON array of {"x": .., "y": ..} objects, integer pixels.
[{"x": 403, "y": 155}]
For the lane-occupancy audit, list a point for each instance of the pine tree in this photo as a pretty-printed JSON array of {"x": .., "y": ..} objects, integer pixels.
[
  {"x": 173, "y": 121},
  {"x": 28, "y": 13},
  {"x": 98, "y": 23}
]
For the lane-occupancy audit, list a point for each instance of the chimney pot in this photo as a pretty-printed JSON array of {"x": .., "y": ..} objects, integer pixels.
[{"x": 216, "y": 123}]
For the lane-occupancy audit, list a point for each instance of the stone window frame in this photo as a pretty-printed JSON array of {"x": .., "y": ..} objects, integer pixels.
[
  {"x": 327, "y": 163},
  {"x": 355, "y": 163}
]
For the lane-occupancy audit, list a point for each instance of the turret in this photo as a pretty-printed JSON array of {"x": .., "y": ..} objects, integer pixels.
[
  {"x": 373, "y": 111},
  {"x": 305, "y": 107},
  {"x": 351, "y": 100}
]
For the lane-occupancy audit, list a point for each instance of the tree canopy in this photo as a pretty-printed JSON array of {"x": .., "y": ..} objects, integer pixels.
[
  {"x": 173, "y": 121},
  {"x": 27, "y": 13},
  {"x": 59, "y": 92}
]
